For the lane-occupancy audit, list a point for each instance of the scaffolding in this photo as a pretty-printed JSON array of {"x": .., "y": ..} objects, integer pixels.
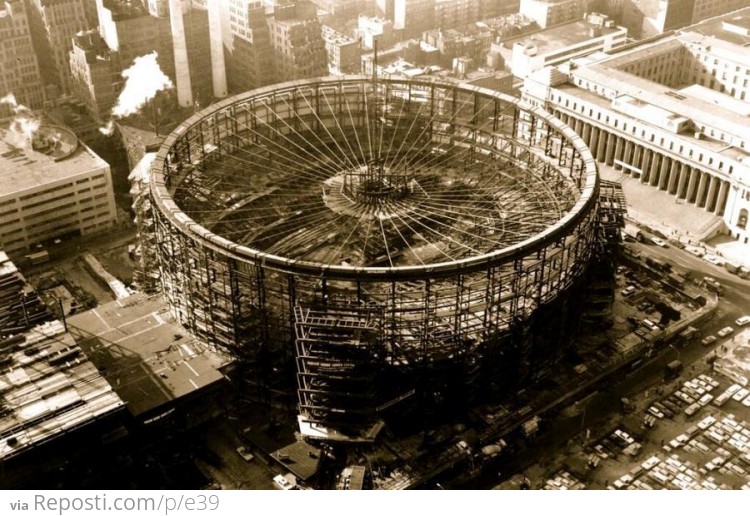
[{"x": 447, "y": 226}]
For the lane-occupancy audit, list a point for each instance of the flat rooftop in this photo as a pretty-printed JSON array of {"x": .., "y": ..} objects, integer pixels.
[
  {"x": 561, "y": 36},
  {"x": 665, "y": 102},
  {"x": 48, "y": 388},
  {"x": 23, "y": 168},
  {"x": 732, "y": 27},
  {"x": 696, "y": 109},
  {"x": 149, "y": 358}
]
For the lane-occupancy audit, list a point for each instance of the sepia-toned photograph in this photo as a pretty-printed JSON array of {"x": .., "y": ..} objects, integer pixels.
[{"x": 320, "y": 245}]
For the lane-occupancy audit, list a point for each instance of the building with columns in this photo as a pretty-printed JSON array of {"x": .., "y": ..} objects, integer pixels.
[{"x": 672, "y": 112}]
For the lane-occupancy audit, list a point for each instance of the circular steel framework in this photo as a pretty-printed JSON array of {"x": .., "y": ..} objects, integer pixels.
[{"x": 434, "y": 221}]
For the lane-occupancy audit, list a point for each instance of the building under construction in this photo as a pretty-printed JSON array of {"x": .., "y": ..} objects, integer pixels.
[{"x": 397, "y": 245}]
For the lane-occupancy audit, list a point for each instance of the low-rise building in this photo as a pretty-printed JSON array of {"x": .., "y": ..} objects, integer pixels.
[
  {"x": 561, "y": 43},
  {"x": 51, "y": 186},
  {"x": 55, "y": 403}
]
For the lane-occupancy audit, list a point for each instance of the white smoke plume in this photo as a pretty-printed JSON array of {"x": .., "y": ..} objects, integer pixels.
[
  {"x": 108, "y": 129},
  {"x": 143, "y": 80},
  {"x": 25, "y": 124}
]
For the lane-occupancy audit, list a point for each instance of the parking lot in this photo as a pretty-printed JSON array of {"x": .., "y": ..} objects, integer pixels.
[{"x": 690, "y": 432}]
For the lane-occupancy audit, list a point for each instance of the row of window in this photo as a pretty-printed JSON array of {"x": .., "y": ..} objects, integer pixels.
[{"x": 602, "y": 116}]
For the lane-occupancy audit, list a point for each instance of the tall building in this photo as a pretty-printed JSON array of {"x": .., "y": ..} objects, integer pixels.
[
  {"x": 414, "y": 16},
  {"x": 495, "y": 8},
  {"x": 297, "y": 41},
  {"x": 673, "y": 113},
  {"x": 341, "y": 8},
  {"x": 548, "y": 13},
  {"x": 128, "y": 30},
  {"x": 19, "y": 68},
  {"x": 96, "y": 74},
  {"x": 343, "y": 52},
  {"x": 53, "y": 25},
  {"x": 705, "y": 9},
  {"x": 51, "y": 186},
  {"x": 456, "y": 13},
  {"x": 371, "y": 29},
  {"x": 247, "y": 45},
  {"x": 646, "y": 18}
]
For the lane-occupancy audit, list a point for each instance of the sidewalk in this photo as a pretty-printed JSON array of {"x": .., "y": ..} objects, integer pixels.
[{"x": 675, "y": 219}]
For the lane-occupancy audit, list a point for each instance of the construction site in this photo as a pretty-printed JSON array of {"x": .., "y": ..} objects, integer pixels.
[{"x": 378, "y": 245}]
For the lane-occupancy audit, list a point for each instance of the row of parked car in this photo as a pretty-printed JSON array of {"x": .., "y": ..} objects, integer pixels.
[{"x": 726, "y": 331}]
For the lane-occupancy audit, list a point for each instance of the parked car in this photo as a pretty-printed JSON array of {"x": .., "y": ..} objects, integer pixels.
[
  {"x": 628, "y": 290},
  {"x": 658, "y": 241},
  {"x": 725, "y": 331},
  {"x": 709, "y": 340},
  {"x": 742, "y": 321}
]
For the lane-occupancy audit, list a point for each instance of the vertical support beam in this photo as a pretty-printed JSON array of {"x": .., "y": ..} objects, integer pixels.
[
  {"x": 218, "y": 67},
  {"x": 713, "y": 190},
  {"x": 601, "y": 146},
  {"x": 611, "y": 147},
  {"x": 664, "y": 177},
  {"x": 636, "y": 159},
  {"x": 674, "y": 175},
  {"x": 619, "y": 151},
  {"x": 627, "y": 154},
  {"x": 682, "y": 187},
  {"x": 692, "y": 184},
  {"x": 721, "y": 203},
  {"x": 586, "y": 134},
  {"x": 655, "y": 167},
  {"x": 700, "y": 199}
]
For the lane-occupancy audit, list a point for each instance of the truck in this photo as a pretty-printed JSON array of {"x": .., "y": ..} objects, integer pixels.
[{"x": 631, "y": 231}]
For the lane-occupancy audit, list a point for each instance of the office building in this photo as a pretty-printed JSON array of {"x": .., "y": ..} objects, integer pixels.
[
  {"x": 375, "y": 29},
  {"x": 52, "y": 187},
  {"x": 19, "y": 68},
  {"x": 343, "y": 52},
  {"x": 548, "y": 13},
  {"x": 247, "y": 45},
  {"x": 297, "y": 41},
  {"x": 414, "y": 16},
  {"x": 705, "y": 9},
  {"x": 672, "y": 112},
  {"x": 53, "y": 25},
  {"x": 456, "y": 13}
]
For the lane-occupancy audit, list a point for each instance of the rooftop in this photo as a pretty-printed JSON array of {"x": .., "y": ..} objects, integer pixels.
[
  {"x": 58, "y": 156},
  {"x": 300, "y": 458},
  {"x": 49, "y": 389},
  {"x": 699, "y": 110},
  {"x": 690, "y": 109},
  {"x": 561, "y": 36},
  {"x": 148, "y": 357},
  {"x": 731, "y": 28},
  {"x": 48, "y": 386}
]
